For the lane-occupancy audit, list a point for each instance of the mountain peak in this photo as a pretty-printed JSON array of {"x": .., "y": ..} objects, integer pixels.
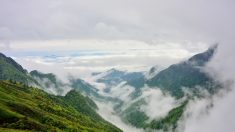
[
  {"x": 10, "y": 61},
  {"x": 11, "y": 70},
  {"x": 113, "y": 70},
  {"x": 202, "y": 58},
  {"x": 185, "y": 74}
]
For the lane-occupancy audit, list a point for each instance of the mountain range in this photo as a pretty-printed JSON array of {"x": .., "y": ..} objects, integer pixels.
[
  {"x": 41, "y": 101},
  {"x": 173, "y": 80},
  {"x": 25, "y": 107}
]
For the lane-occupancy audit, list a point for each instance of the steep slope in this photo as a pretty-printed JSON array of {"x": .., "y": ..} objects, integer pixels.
[
  {"x": 187, "y": 74},
  {"x": 50, "y": 83},
  {"x": 9, "y": 69},
  {"x": 27, "y": 108}
]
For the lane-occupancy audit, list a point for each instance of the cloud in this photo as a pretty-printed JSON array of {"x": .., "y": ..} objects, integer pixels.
[
  {"x": 107, "y": 112},
  {"x": 158, "y": 104},
  {"x": 199, "y": 20},
  {"x": 56, "y": 88},
  {"x": 121, "y": 92},
  {"x": 51, "y": 56},
  {"x": 4, "y": 46},
  {"x": 215, "y": 113}
]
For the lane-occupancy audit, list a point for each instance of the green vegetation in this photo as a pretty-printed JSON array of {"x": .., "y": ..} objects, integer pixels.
[
  {"x": 24, "y": 108},
  {"x": 27, "y": 108},
  {"x": 84, "y": 87},
  {"x": 186, "y": 74},
  {"x": 9, "y": 69},
  {"x": 133, "y": 114},
  {"x": 170, "y": 121},
  {"x": 48, "y": 76}
]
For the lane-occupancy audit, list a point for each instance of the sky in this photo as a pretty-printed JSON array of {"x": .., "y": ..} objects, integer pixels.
[
  {"x": 98, "y": 35},
  {"x": 126, "y": 31}
]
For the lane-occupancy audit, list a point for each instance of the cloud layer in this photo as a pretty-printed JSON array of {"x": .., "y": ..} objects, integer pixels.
[{"x": 104, "y": 19}]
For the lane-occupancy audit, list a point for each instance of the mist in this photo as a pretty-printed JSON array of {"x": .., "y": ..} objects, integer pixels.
[
  {"x": 107, "y": 112},
  {"x": 158, "y": 104},
  {"x": 214, "y": 112}
]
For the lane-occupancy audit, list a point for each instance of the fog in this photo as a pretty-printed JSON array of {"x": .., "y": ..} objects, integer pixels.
[{"x": 215, "y": 113}]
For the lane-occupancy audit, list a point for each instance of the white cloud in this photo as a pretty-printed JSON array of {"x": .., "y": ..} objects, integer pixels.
[
  {"x": 75, "y": 19},
  {"x": 215, "y": 113},
  {"x": 107, "y": 112},
  {"x": 158, "y": 104},
  {"x": 131, "y": 57}
]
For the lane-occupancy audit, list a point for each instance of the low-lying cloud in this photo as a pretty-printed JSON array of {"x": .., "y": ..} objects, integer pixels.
[
  {"x": 215, "y": 113},
  {"x": 158, "y": 104}
]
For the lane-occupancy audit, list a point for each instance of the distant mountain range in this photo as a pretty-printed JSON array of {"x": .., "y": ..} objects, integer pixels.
[
  {"x": 186, "y": 75},
  {"x": 120, "y": 88}
]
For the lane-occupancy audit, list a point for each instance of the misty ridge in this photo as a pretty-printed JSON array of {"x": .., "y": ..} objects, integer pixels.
[
  {"x": 113, "y": 66},
  {"x": 174, "y": 98}
]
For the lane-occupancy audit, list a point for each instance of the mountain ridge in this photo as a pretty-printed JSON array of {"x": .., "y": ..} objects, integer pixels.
[
  {"x": 186, "y": 74},
  {"x": 25, "y": 107}
]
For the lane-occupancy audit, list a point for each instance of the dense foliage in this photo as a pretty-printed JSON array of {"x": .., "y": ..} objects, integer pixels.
[
  {"x": 9, "y": 69},
  {"x": 27, "y": 108}
]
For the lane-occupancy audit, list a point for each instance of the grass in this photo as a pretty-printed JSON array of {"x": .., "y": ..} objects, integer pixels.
[{"x": 27, "y": 108}]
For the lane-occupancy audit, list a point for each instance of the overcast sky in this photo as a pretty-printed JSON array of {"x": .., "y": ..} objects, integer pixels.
[{"x": 130, "y": 33}]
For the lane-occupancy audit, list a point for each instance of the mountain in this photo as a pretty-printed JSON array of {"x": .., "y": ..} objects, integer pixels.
[
  {"x": 83, "y": 87},
  {"x": 28, "y": 108},
  {"x": 9, "y": 69},
  {"x": 124, "y": 90},
  {"x": 114, "y": 77},
  {"x": 187, "y": 74},
  {"x": 152, "y": 72},
  {"x": 135, "y": 117},
  {"x": 50, "y": 83}
]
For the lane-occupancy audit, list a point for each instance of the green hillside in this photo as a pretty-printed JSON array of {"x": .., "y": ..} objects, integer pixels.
[
  {"x": 187, "y": 74},
  {"x": 9, "y": 69},
  {"x": 27, "y": 108}
]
